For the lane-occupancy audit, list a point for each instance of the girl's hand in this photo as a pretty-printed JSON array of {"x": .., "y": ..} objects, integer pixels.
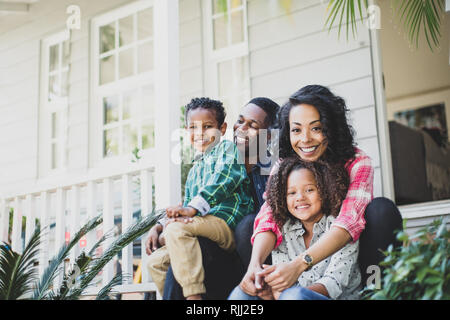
[
  {"x": 251, "y": 283},
  {"x": 281, "y": 276}
]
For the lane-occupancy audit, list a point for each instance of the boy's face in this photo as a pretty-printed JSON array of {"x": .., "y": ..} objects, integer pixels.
[
  {"x": 203, "y": 128},
  {"x": 303, "y": 198}
]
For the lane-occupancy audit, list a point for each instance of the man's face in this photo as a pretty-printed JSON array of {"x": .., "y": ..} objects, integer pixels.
[{"x": 247, "y": 128}]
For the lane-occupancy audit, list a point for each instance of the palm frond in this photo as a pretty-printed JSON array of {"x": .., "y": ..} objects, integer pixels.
[
  {"x": 42, "y": 288},
  {"x": 106, "y": 291},
  {"x": 418, "y": 15},
  {"x": 347, "y": 9},
  {"x": 79, "y": 267},
  {"x": 132, "y": 233},
  {"x": 18, "y": 272}
]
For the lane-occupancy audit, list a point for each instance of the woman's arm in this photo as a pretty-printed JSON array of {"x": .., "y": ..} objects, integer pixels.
[{"x": 263, "y": 245}]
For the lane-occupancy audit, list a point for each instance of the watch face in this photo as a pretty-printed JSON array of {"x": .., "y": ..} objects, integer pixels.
[{"x": 308, "y": 259}]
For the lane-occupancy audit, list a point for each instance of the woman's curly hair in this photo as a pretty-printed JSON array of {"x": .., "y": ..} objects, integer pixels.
[
  {"x": 332, "y": 184},
  {"x": 333, "y": 116}
]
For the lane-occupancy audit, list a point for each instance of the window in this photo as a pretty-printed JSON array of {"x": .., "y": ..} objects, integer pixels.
[
  {"x": 226, "y": 48},
  {"x": 55, "y": 65},
  {"x": 123, "y": 102}
]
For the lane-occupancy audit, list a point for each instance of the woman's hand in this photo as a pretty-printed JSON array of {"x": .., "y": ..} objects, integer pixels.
[{"x": 281, "y": 276}]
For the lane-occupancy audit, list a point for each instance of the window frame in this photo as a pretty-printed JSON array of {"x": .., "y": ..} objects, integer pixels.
[
  {"x": 213, "y": 57},
  {"x": 48, "y": 108},
  {"x": 137, "y": 81}
]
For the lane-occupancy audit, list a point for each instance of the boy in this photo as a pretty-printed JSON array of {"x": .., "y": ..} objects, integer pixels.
[{"x": 217, "y": 197}]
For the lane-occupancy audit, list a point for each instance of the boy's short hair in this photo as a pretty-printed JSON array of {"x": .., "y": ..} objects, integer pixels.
[{"x": 208, "y": 104}]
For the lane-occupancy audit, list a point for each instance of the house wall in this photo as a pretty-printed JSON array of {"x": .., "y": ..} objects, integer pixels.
[
  {"x": 20, "y": 50},
  {"x": 290, "y": 49}
]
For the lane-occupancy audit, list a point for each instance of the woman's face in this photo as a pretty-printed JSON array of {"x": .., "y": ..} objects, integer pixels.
[
  {"x": 302, "y": 197},
  {"x": 306, "y": 132}
]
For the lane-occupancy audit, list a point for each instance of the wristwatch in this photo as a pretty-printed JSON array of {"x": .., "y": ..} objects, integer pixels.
[{"x": 308, "y": 260}]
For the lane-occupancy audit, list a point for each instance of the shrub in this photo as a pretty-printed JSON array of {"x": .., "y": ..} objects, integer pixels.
[{"x": 418, "y": 270}]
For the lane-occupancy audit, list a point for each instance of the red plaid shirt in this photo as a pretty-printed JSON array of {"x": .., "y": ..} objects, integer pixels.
[{"x": 351, "y": 216}]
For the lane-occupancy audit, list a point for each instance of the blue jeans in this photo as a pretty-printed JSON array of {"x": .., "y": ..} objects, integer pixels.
[{"x": 292, "y": 293}]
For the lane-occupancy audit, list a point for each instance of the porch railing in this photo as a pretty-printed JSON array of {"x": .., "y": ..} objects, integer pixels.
[{"x": 65, "y": 205}]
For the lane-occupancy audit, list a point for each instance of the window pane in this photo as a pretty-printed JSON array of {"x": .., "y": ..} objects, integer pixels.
[
  {"x": 235, "y": 4},
  {"x": 145, "y": 23},
  {"x": 145, "y": 57},
  {"x": 110, "y": 109},
  {"x": 219, "y": 6},
  {"x": 126, "y": 65},
  {"x": 54, "y": 58},
  {"x": 130, "y": 105},
  {"x": 53, "y": 87},
  {"x": 148, "y": 135},
  {"x": 148, "y": 96},
  {"x": 220, "y": 32},
  {"x": 107, "y": 37},
  {"x": 126, "y": 34},
  {"x": 241, "y": 72},
  {"x": 237, "y": 26},
  {"x": 130, "y": 138},
  {"x": 64, "y": 84},
  {"x": 225, "y": 75},
  {"x": 107, "y": 70},
  {"x": 111, "y": 142},
  {"x": 55, "y": 155},
  {"x": 65, "y": 53},
  {"x": 55, "y": 125}
]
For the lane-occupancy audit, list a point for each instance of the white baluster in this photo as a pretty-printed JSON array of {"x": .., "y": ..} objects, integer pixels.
[
  {"x": 60, "y": 228},
  {"x": 108, "y": 224},
  {"x": 30, "y": 213},
  {"x": 127, "y": 219},
  {"x": 74, "y": 220},
  {"x": 16, "y": 239},
  {"x": 146, "y": 209},
  {"x": 91, "y": 210},
  {"x": 45, "y": 231},
  {"x": 4, "y": 221}
]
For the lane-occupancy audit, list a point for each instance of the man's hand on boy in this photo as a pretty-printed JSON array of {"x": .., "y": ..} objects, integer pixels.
[
  {"x": 177, "y": 211},
  {"x": 152, "y": 242}
]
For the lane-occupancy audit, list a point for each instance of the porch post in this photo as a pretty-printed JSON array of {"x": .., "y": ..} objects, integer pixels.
[
  {"x": 167, "y": 109},
  {"x": 387, "y": 179}
]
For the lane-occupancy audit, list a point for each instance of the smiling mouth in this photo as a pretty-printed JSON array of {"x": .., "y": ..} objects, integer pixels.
[
  {"x": 309, "y": 149},
  {"x": 306, "y": 206}
]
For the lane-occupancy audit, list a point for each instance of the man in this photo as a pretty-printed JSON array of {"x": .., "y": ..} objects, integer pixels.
[{"x": 223, "y": 270}]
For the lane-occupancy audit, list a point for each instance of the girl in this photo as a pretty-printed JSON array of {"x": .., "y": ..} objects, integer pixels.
[
  {"x": 313, "y": 126},
  {"x": 305, "y": 198}
]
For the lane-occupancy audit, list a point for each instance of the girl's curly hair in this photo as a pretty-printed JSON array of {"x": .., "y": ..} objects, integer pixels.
[
  {"x": 332, "y": 184},
  {"x": 333, "y": 116}
]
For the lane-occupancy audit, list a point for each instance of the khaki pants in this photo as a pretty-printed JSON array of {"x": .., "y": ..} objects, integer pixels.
[{"x": 183, "y": 252}]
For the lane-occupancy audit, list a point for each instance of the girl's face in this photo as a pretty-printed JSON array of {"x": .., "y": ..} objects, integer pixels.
[
  {"x": 303, "y": 198},
  {"x": 306, "y": 132},
  {"x": 204, "y": 130}
]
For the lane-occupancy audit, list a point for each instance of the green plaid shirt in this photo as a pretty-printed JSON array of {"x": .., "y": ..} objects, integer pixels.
[{"x": 218, "y": 184}]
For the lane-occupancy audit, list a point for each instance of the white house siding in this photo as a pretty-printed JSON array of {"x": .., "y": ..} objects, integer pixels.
[
  {"x": 290, "y": 49},
  {"x": 20, "y": 60}
]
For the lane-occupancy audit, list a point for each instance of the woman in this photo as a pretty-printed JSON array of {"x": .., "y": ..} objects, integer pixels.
[{"x": 313, "y": 126}]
